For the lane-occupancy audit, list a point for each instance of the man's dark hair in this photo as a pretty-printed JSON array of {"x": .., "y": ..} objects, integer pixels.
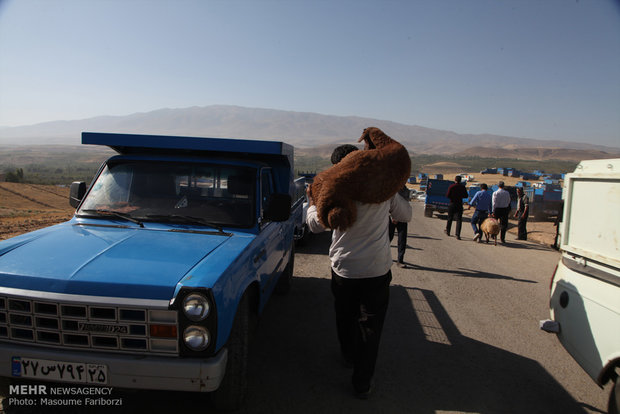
[
  {"x": 458, "y": 178},
  {"x": 342, "y": 151},
  {"x": 500, "y": 184},
  {"x": 484, "y": 186}
]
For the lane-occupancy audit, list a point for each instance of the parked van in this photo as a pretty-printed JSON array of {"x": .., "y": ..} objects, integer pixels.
[{"x": 585, "y": 288}]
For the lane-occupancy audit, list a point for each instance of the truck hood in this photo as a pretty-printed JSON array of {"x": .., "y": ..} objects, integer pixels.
[{"x": 114, "y": 261}]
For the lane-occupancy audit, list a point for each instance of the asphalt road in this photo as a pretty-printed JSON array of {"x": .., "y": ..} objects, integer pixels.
[{"x": 461, "y": 336}]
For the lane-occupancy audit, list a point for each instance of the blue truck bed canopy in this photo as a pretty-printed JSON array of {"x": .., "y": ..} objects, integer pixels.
[{"x": 239, "y": 148}]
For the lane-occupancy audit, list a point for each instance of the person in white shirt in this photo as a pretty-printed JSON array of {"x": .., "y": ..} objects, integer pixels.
[
  {"x": 501, "y": 209},
  {"x": 360, "y": 261}
]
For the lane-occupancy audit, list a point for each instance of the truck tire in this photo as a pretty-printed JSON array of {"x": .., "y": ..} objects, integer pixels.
[
  {"x": 284, "y": 282},
  {"x": 233, "y": 390},
  {"x": 428, "y": 211},
  {"x": 301, "y": 234}
]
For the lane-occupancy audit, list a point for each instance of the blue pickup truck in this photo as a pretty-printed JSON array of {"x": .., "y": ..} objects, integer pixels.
[
  {"x": 173, "y": 252},
  {"x": 436, "y": 199}
]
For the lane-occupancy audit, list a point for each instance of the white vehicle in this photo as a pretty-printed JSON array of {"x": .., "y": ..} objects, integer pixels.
[
  {"x": 585, "y": 289},
  {"x": 466, "y": 177},
  {"x": 415, "y": 193}
]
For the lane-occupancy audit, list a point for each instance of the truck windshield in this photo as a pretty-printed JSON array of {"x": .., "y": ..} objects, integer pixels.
[{"x": 221, "y": 195}]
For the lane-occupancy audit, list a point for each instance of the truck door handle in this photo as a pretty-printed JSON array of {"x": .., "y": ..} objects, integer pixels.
[{"x": 260, "y": 255}]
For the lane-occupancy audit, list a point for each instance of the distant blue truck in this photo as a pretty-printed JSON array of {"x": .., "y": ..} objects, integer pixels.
[
  {"x": 436, "y": 199},
  {"x": 545, "y": 202},
  {"x": 174, "y": 250}
]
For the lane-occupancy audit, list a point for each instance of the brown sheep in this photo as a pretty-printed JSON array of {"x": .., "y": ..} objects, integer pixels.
[
  {"x": 490, "y": 227},
  {"x": 371, "y": 176}
]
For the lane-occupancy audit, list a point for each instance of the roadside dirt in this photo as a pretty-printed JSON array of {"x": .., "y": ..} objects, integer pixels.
[{"x": 542, "y": 232}]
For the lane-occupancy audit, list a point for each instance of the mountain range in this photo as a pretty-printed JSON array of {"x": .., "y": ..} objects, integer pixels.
[{"x": 306, "y": 131}]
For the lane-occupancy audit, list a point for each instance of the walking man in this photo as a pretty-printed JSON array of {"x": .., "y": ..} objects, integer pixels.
[
  {"x": 501, "y": 209},
  {"x": 401, "y": 227},
  {"x": 361, "y": 260},
  {"x": 456, "y": 193},
  {"x": 482, "y": 201}
]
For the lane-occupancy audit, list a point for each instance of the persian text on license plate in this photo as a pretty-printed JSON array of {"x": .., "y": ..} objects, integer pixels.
[{"x": 59, "y": 370}]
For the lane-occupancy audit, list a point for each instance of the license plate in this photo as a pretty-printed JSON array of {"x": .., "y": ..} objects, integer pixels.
[{"x": 59, "y": 370}]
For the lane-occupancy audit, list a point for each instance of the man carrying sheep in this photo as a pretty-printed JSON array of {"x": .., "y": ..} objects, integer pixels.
[{"x": 361, "y": 260}]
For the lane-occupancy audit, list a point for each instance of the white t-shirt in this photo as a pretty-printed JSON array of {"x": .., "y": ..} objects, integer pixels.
[
  {"x": 363, "y": 250},
  {"x": 501, "y": 199}
]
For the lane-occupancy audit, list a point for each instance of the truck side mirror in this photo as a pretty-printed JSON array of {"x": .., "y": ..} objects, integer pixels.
[
  {"x": 76, "y": 193},
  {"x": 279, "y": 207}
]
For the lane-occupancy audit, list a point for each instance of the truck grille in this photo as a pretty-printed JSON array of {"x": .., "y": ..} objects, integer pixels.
[{"x": 85, "y": 326}]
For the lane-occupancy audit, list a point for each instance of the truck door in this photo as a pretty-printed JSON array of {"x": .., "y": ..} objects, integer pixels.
[{"x": 270, "y": 238}]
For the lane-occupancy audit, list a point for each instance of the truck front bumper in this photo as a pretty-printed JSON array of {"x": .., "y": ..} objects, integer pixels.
[{"x": 131, "y": 371}]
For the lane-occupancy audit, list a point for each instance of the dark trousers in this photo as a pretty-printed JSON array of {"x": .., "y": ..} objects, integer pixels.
[
  {"x": 361, "y": 305},
  {"x": 476, "y": 220},
  {"x": 401, "y": 226},
  {"x": 455, "y": 210},
  {"x": 522, "y": 228},
  {"x": 502, "y": 215}
]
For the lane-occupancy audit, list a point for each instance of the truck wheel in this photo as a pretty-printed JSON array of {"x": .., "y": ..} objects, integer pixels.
[
  {"x": 614, "y": 398},
  {"x": 233, "y": 389},
  {"x": 301, "y": 234},
  {"x": 284, "y": 283},
  {"x": 428, "y": 212}
]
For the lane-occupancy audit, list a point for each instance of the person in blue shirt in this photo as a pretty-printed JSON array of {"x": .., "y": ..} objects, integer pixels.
[{"x": 482, "y": 200}]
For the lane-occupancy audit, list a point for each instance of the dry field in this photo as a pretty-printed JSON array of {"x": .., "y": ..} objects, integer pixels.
[
  {"x": 450, "y": 173},
  {"x": 28, "y": 207}
]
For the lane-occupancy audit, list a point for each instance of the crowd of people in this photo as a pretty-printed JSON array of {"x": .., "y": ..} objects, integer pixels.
[{"x": 496, "y": 205}]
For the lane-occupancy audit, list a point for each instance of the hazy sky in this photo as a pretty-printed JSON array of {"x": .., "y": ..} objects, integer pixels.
[{"x": 545, "y": 69}]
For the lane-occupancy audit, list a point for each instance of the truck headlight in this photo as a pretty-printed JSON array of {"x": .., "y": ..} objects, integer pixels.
[
  {"x": 196, "y": 307},
  {"x": 196, "y": 338}
]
